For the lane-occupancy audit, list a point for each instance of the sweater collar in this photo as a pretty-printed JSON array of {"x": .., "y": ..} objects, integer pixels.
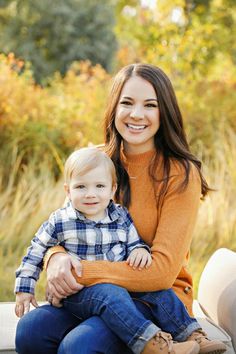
[{"x": 137, "y": 159}]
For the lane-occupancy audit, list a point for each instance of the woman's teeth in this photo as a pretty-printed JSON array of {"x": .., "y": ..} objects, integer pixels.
[{"x": 136, "y": 127}]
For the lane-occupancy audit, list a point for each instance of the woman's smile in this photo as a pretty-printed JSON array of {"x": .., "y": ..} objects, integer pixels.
[{"x": 136, "y": 128}]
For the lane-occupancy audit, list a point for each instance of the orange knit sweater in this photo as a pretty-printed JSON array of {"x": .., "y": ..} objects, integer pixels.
[{"x": 167, "y": 230}]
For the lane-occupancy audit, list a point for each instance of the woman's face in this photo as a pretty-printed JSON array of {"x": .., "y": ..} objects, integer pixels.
[{"x": 137, "y": 116}]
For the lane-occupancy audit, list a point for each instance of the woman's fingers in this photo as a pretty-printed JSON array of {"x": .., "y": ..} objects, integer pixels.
[
  {"x": 61, "y": 282},
  {"x": 77, "y": 266},
  {"x": 56, "y": 302},
  {"x": 56, "y": 290}
]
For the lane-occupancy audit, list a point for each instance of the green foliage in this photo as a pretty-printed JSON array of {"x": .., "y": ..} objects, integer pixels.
[
  {"x": 51, "y": 35},
  {"x": 187, "y": 37}
]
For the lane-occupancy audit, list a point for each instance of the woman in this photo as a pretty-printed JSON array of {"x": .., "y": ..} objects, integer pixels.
[{"x": 160, "y": 182}]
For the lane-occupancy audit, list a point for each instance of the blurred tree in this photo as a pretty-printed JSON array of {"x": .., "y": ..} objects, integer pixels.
[
  {"x": 188, "y": 36},
  {"x": 53, "y": 34}
]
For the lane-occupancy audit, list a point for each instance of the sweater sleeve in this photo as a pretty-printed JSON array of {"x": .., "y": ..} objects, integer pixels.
[{"x": 169, "y": 248}]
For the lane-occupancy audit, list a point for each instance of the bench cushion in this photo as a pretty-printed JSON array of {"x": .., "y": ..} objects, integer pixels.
[{"x": 8, "y": 322}]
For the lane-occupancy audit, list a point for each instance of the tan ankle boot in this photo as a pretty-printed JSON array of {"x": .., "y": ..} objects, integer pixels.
[
  {"x": 207, "y": 345},
  {"x": 162, "y": 343}
]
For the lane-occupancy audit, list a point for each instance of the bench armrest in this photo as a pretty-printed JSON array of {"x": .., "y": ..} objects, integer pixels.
[{"x": 217, "y": 290}]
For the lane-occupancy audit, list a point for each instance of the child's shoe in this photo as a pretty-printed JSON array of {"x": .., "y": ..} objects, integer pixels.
[
  {"x": 162, "y": 343},
  {"x": 207, "y": 345}
]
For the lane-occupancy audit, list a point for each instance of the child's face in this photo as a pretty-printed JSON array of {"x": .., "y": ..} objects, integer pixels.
[{"x": 91, "y": 193}]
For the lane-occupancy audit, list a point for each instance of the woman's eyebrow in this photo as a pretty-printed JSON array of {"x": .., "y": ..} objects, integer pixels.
[
  {"x": 150, "y": 99},
  {"x": 126, "y": 97},
  {"x": 147, "y": 100}
]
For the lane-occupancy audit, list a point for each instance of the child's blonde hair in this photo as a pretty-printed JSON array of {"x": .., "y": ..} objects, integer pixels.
[{"x": 86, "y": 159}]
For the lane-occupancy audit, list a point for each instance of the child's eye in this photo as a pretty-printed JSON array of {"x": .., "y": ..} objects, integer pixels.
[
  {"x": 100, "y": 185},
  {"x": 80, "y": 186}
]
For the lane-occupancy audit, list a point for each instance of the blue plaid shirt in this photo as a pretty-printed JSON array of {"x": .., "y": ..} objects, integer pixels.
[{"x": 112, "y": 239}]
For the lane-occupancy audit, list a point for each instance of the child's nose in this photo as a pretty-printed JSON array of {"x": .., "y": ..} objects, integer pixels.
[{"x": 90, "y": 193}]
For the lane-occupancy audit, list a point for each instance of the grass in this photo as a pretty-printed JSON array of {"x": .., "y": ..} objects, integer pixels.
[
  {"x": 216, "y": 224},
  {"x": 27, "y": 201},
  {"x": 24, "y": 205}
]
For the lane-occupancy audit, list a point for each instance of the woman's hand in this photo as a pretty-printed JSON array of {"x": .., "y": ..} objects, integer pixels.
[{"x": 60, "y": 280}]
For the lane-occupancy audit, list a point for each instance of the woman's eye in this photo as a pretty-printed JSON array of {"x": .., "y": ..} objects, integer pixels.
[
  {"x": 152, "y": 105},
  {"x": 126, "y": 103}
]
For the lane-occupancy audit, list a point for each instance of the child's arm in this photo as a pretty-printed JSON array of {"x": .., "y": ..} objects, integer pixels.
[
  {"x": 28, "y": 272},
  {"x": 23, "y": 301},
  {"x": 140, "y": 258}
]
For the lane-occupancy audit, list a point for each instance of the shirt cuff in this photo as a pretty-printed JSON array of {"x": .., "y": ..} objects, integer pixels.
[
  {"x": 144, "y": 246},
  {"x": 25, "y": 285}
]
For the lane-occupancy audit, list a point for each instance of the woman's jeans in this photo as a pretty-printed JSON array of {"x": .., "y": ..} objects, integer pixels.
[
  {"x": 43, "y": 329},
  {"x": 52, "y": 330},
  {"x": 116, "y": 308}
]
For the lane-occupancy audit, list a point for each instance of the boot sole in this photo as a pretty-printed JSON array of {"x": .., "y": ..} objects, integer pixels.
[{"x": 218, "y": 351}]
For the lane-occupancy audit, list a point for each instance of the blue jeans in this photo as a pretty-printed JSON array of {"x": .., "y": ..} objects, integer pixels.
[
  {"x": 116, "y": 307},
  {"x": 50, "y": 330}
]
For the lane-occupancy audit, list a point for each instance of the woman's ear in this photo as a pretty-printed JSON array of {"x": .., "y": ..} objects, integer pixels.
[{"x": 67, "y": 190}]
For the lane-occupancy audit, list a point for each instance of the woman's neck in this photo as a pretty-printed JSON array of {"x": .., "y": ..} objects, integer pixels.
[
  {"x": 139, "y": 159},
  {"x": 130, "y": 149}
]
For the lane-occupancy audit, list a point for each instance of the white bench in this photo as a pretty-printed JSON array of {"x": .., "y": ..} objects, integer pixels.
[{"x": 215, "y": 307}]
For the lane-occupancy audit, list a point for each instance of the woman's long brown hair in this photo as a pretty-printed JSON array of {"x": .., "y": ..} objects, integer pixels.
[{"x": 170, "y": 140}]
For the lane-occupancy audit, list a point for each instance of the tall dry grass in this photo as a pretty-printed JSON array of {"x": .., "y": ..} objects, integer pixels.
[
  {"x": 23, "y": 207},
  {"x": 216, "y": 225}
]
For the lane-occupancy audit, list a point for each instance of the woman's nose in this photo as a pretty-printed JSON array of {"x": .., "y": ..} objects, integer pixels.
[{"x": 137, "y": 113}]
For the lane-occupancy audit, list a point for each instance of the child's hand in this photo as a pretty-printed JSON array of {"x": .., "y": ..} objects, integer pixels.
[
  {"x": 140, "y": 258},
  {"x": 23, "y": 301}
]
